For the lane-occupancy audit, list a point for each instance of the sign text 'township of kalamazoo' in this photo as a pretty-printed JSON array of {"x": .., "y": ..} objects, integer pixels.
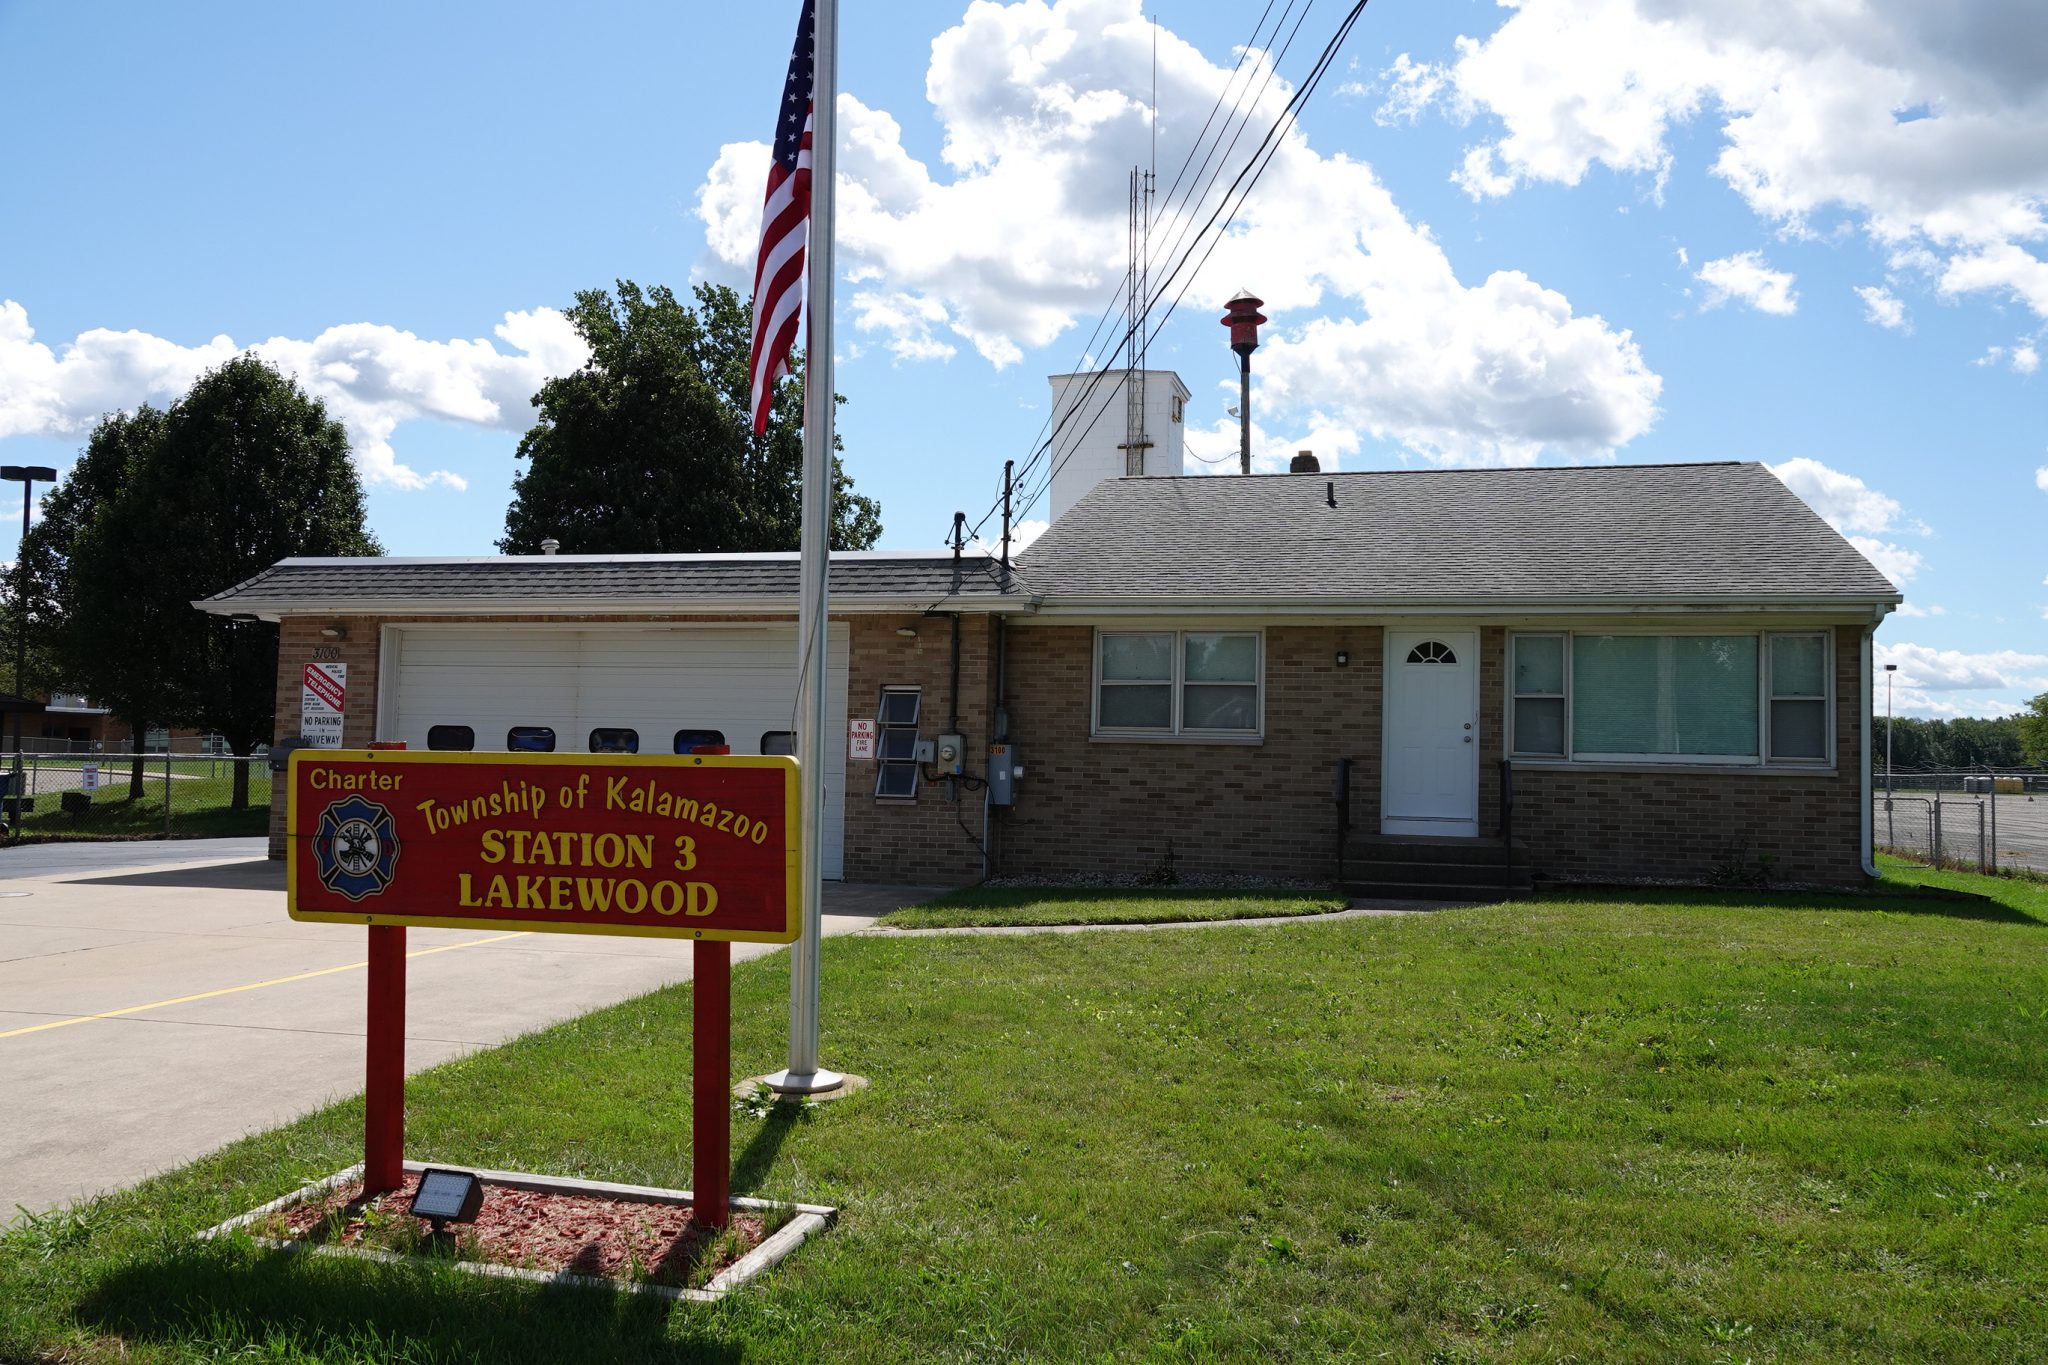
[{"x": 692, "y": 846}]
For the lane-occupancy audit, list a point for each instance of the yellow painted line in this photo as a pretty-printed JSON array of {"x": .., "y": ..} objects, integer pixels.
[{"x": 252, "y": 986}]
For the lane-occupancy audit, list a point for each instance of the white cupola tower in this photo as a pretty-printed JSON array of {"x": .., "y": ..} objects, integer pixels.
[{"x": 1131, "y": 424}]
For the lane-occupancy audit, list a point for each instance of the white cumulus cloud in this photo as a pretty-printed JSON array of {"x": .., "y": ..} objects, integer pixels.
[
  {"x": 1955, "y": 682},
  {"x": 1883, "y": 307},
  {"x": 1926, "y": 126},
  {"x": 1020, "y": 233},
  {"x": 372, "y": 378},
  {"x": 1851, "y": 506},
  {"x": 1748, "y": 278},
  {"x": 2041, "y": 478}
]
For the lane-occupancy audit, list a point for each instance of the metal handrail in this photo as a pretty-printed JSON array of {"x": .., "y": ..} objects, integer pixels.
[{"x": 1507, "y": 813}]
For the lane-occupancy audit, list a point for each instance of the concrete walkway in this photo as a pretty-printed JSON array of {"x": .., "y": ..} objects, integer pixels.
[
  {"x": 156, "y": 1003},
  {"x": 1358, "y": 909}
]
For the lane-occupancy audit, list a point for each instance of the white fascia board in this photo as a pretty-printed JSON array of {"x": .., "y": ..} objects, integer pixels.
[
  {"x": 399, "y": 608},
  {"x": 1522, "y": 606},
  {"x": 542, "y": 561}
]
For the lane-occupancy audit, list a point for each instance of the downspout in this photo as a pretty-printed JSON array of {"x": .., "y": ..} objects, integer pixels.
[{"x": 1863, "y": 756}]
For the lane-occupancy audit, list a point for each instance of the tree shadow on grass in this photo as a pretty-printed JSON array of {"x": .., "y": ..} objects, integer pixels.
[
  {"x": 228, "y": 1296},
  {"x": 1893, "y": 900}
]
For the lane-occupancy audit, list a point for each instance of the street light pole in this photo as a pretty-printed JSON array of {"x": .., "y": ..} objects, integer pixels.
[
  {"x": 28, "y": 476},
  {"x": 1890, "y": 834},
  {"x": 1889, "y": 671}
]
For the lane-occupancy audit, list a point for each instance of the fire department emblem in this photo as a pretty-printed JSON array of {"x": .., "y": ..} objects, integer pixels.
[{"x": 355, "y": 850}]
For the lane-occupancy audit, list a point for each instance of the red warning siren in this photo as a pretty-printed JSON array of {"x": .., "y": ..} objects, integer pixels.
[{"x": 1243, "y": 320}]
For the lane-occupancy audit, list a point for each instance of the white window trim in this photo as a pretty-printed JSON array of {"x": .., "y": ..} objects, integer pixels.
[
  {"x": 1176, "y": 733},
  {"x": 1762, "y": 759}
]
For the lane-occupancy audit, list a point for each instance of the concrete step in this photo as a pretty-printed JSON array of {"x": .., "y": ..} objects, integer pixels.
[
  {"x": 1370, "y": 848},
  {"x": 1480, "y": 872},
  {"x": 1433, "y": 891}
]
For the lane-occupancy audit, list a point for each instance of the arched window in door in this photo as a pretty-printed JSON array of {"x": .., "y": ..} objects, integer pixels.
[{"x": 1432, "y": 652}]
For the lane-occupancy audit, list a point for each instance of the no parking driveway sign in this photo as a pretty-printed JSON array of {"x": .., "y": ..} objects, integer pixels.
[{"x": 323, "y": 700}]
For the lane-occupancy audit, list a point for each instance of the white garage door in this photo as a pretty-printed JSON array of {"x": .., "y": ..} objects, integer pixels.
[{"x": 655, "y": 680}]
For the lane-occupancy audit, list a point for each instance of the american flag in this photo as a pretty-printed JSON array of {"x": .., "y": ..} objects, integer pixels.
[{"x": 779, "y": 272}]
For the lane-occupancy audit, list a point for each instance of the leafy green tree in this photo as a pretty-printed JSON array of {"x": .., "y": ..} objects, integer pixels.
[
  {"x": 249, "y": 470},
  {"x": 649, "y": 448},
  {"x": 93, "y": 614},
  {"x": 1965, "y": 742},
  {"x": 165, "y": 508},
  {"x": 2033, "y": 727}
]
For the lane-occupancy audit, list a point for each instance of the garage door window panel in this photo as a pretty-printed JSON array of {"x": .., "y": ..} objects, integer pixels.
[
  {"x": 451, "y": 738},
  {"x": 705, "y": 742},
  {"x": 614, "y": 740},
  {"x": 531, "y": 739}
]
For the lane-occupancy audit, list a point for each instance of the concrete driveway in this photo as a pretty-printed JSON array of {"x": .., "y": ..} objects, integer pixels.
[{"x": 155, "y": 1003}]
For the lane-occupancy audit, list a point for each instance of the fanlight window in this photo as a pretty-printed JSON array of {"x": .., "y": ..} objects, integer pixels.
[{"x": 1432, "y": 652}]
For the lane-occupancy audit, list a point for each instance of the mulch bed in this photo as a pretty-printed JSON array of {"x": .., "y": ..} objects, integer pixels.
[{"x": 618, "y": 1239}]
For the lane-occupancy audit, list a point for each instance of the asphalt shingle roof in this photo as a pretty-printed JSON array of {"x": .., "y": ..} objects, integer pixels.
[
  {"x": 1691, "y": 532},
  {"x": 652, "y": 582}
]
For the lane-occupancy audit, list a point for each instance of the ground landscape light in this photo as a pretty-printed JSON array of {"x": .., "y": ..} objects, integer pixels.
[{"x": 446, "y": 1197}]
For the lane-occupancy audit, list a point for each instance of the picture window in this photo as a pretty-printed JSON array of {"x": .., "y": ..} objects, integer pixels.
[{"x": 1735, "y": 699}]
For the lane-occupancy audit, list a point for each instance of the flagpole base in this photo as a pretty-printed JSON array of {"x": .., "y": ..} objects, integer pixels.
[{"x": 819, "y": 1085}]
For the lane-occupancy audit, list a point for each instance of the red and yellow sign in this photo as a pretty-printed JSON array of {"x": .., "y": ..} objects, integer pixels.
[{"x": 692, "y": 846}]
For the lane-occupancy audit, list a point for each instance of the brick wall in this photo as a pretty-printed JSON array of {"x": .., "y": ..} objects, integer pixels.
[
  {"x": 1090, "y": 805},
  {"x": 299, "y": 642},
  {"x": 1628, "y": 826},
  {"x": 932, "y": 838}
]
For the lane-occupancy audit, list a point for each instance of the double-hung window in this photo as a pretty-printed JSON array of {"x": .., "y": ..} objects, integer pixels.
[
  {"x": 1799, "y": 697},
  {"x": 1539, "y": 713},
  {"x": 1731, "y": 698},
  {"x": 1185, "y": 683}
]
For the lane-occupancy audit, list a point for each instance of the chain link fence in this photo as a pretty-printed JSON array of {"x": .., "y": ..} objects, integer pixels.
[
  {"x": 1983, "y": 831},
  {"x": 135, "y": 794}
]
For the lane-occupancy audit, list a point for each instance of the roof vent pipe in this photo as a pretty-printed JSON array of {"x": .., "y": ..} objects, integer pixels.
[
  {"x": 1305, "y": 463},
  {"x": 550, "y": 545}
]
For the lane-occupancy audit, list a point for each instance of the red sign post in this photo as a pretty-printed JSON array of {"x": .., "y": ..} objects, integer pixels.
[{"x": 694, "y": 846}]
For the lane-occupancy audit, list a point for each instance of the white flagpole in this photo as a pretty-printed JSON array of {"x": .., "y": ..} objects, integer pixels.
[{"x": 804, "y": 1075}]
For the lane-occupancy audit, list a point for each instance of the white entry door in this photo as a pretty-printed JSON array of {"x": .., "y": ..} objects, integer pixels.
[{"x": 1430, "y": 776}]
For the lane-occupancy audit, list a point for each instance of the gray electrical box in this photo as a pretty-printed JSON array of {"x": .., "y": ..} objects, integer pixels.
[
  {"x": 1003, "y": 771},
  {"x": 951, "y": 756}
]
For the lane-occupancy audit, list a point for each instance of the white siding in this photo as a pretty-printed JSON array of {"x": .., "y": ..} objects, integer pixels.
[{"x": 740, "y": 679}]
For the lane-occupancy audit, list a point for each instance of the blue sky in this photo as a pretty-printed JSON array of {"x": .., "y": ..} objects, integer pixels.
[{"x": 1556, "y": 231}]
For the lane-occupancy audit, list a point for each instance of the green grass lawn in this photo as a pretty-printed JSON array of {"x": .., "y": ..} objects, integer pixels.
[
  {"x": 202, "y": 791},
  {"x": 1677, "y": 1127},
  {"x": 1038, "y": 905}
]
